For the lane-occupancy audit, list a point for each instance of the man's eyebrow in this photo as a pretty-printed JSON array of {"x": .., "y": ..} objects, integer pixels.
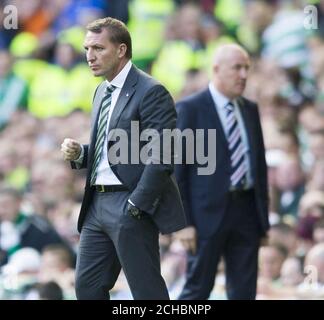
[
  {"x": 93, "y": 45},
  {"x": 239, "y": 64}
]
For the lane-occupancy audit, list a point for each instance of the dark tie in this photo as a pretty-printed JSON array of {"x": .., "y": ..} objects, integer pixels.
[
  {"x": 236, "y": 148},
  {"x": 101, "y": 131}
]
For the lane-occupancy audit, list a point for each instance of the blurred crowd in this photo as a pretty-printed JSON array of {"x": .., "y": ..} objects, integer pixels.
[{"x": 46, "y": 92}]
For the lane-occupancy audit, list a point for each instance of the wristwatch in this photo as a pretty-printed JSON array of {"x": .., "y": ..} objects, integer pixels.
[{"x": 134, "y": 211}]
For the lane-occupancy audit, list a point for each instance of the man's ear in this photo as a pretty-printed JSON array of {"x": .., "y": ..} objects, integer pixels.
[{"x": 122, "y": 50}]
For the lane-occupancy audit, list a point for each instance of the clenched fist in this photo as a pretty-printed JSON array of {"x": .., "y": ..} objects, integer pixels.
[{"x": 71, "y": 149}]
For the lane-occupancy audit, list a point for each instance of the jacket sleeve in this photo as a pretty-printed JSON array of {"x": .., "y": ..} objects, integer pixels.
[{"x": 83, "y": 164}]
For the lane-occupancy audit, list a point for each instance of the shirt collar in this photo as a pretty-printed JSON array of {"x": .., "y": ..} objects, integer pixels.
[
  {"x": 220, "y": 100},
  {"x": 120, "y": 79}
]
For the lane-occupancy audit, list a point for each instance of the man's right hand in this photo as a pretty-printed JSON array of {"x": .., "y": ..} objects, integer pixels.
[
  {"x": 188, "y": 238},
  {"x": 71, "y": 149}
]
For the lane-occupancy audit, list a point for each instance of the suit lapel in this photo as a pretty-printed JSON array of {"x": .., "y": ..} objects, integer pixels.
[
  {"x": 96, "y": 108},
  {"x": 249, "y": 127},
  {"x": 247, "y": 121},
  {"x": 95, "y": 115},
  {"x": 220, "y": 134},
  {"x": 126, "y": 93}
]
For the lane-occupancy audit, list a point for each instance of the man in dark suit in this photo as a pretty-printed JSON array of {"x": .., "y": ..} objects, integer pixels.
[
  {"x": 125, "y": 204},
  {"x": 227, "y": 210}
]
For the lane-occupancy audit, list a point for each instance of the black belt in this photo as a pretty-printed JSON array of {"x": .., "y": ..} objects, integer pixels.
[{"x": 115, "y": 188}]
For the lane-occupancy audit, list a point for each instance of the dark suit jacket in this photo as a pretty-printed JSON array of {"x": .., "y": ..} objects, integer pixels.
[
  {"x": 205, "y": 196},
  {"x": 153, "y": 187}
]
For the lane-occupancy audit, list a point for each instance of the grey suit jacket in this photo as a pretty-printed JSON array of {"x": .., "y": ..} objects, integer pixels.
[{"x": 153, "y": 186}]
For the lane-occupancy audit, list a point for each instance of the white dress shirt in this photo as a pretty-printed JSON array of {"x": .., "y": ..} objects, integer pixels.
[{"x": 105, "y": 176}]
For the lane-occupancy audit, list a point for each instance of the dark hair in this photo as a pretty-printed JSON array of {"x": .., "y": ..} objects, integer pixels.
[
  {"x": 50, "y": 291},
  {"x": 118, "y": 32}
]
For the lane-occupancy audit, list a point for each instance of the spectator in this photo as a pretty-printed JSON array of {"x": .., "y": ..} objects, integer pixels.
[
  {"x": 69, "y": 85},
  {"x": 57, "y": 265},
  {"x": 146, "y": 23},
  {"x": 178, "y": 56},
  {"x": 19, "y": 274},
  {"x": 291, "y": 273},
  {"x": 283, "y": 235},
  {"x": 271, "y": 259},
  {"x": 316, "y": 144},
  {"x": 311, "y": 209},
  {"x": 13, "y": 90},
  {"x": 316, "y": 181},
  {"x": 290, "y": 183},
  {"x": 49, "y": 291},
  {"x": 318, "y": 231},
  {"x": 285, "y": 41},
  {"x": 19, "y": 230}
]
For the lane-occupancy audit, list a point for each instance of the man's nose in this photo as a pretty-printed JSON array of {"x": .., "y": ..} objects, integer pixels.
[
  {"x": 244, "y": 73},
  {"x": 90, "y": 56}
]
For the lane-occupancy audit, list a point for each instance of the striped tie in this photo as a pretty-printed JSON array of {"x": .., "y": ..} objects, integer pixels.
[
  {"x": 101, "y": 131},
  {"x": 236, "y": 148}
]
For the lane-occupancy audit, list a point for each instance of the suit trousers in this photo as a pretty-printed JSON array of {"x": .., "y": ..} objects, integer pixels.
[
  {"x": 237, "y": 240},
  {"x": 111, "y": 240}
]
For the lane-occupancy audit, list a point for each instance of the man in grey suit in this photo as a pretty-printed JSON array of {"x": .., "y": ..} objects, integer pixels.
[{"x": 125, "y": 205}]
